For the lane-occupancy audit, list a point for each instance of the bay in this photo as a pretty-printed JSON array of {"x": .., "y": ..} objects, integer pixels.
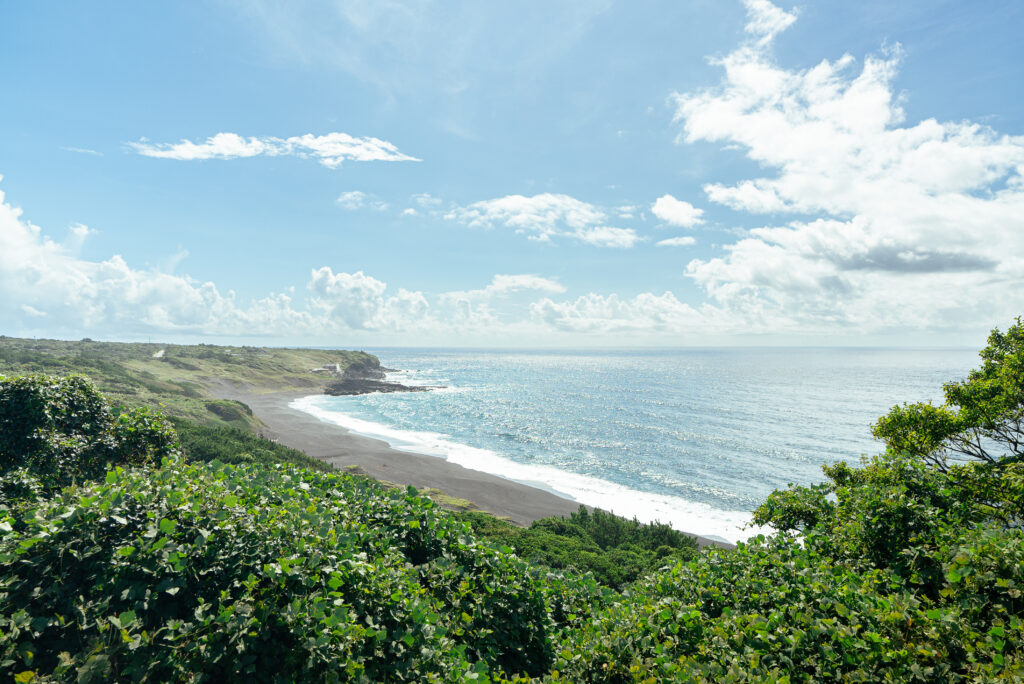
[{"x": 697, "y": 437}]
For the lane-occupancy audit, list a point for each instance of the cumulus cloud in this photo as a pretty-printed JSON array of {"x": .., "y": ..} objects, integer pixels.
[
  {"x": 684, "y": 241},
  {"x": 47, "y": 288},
  {"x": 357, "y": 199},
  {"x": 358, "y": 301},
  {"x": 40, "y": 277},
  {"x": 426, "y": 200},
  {"x": 677, "y": 212},
  {"x": 892, "y": 224},
  {"x": 591, "y": 313},
  {"x": 474, "y": 307},
  {"x": 539, "y": 217},
  {"x": 330, "y": 150},
  {"x": 43, "y": 279},
  {"x": 606, "y": 236},
  {"x": 765, "y": 20},
  {"x": 545, "y": 216},
  {"x": 520, "y": 282}
]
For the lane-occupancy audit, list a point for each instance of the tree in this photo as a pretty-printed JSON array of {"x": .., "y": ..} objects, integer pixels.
[
  {"x": 946, "y": 468},
  {"x": 982, "y": 418}
]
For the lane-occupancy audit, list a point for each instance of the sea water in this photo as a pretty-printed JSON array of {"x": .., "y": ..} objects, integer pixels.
[{"x": 694, "y": 438}]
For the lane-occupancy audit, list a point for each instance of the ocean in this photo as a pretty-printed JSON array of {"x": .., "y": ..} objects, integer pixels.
[{"x": 694, "y": 438}]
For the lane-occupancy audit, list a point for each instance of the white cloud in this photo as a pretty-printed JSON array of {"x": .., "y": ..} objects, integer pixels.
[
  {"x": 894, "y": 225},
  {"x": 82, "y": 150},
  {"x": 357, "y": 199},
  {"x": 606, "y": 236},
  {"x": 47, "y": 289},
  {"x": 357, "y": 301},
  {"x": 591, "y": 313},
  {"x": 684, "y": 241},
  {"x": 523, "y": 281},
  {"x": 765, "y": 20},
  {"x": 539, "y": 217},
  {"x": 43, "y": 279},
  {"x": 353, "y": 199},
  {"x": 474, "y": 307},
  {"x": 545, "y": 216},
  {"x": 330, "y": 150},
  {"x": 220, "y": 146},
  {"x": 409, "y": 211},
  {"x": 677, "y": 212},
  {"x": 426, "y": 200},
  {"x": 502, "y": 285}
]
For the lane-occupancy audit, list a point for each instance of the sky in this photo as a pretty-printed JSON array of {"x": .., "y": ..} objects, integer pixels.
[{"x": 530, "y": 174}]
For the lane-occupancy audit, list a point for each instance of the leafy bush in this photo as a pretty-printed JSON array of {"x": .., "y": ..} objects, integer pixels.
[
  {"x": 615, "y": 549},
  {"x": 232, "y": 445},
  {"x": 209, "y": 572},
  {"x": 63, "y": 430},
  {"x": 774, "y": 610}
]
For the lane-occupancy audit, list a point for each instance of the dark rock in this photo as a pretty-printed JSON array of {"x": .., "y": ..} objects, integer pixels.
[
  {"x": 365, "y": 377},
  {"x": 350, "y": 386}
]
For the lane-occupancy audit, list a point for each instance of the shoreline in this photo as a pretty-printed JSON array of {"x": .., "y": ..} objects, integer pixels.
[{"x": 341, "y": 448}]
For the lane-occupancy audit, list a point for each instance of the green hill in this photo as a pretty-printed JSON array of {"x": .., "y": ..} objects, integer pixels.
[{"x": 180, "y": 380}]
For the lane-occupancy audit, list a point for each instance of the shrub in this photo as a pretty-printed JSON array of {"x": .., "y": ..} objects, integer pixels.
[
  {"x": 209, "y": 572},
  {"x": 63, "y": 430},
  {"x": 616, "y": 550}
]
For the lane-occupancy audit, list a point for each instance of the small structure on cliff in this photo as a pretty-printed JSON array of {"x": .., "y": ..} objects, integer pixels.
[{"x": 330, "y": 368}]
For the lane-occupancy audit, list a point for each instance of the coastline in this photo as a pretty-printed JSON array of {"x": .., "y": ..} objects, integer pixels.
[{"x": 333, "y": 444}]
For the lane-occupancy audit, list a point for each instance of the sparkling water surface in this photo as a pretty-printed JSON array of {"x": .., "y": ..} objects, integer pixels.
[{"x": 697, "y": 438}]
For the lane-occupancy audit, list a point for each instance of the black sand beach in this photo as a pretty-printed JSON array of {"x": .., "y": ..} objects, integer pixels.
[{"x": 333, "y": 444}]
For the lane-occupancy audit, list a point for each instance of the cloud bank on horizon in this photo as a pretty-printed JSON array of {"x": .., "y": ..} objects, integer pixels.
[{"x": 870, "y": 224}]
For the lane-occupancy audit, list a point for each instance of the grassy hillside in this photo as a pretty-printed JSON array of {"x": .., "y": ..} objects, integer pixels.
[{"x": 178, "y": 379}]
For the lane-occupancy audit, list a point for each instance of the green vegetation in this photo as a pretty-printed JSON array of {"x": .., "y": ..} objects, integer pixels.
[
  {"x": 179, "y": 380},
  {"x": 907, "y": 569},
  {"x": 615, "y": 550},
  {"x": 982, "y": 418},
  {"x": 61, "y": 430},
  {"x": 213, "y": 572},
  {"x": 207, "y": 443}
]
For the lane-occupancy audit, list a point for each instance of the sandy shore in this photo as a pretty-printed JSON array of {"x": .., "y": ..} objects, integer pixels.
[{"x": 334, "y": 444}]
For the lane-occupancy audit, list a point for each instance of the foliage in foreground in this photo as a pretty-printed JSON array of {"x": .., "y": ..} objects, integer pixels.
[
  {"x": 773, "y": 610},
  {"x": 208, "y": 572},
  {"x": 200, "y": 572}
]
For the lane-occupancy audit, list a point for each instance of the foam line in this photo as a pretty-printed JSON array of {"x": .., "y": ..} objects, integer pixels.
[{"x": 689, "y": 516}]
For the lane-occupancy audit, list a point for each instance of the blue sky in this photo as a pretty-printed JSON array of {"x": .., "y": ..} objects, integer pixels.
[{"x": 512, "y": 174}]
